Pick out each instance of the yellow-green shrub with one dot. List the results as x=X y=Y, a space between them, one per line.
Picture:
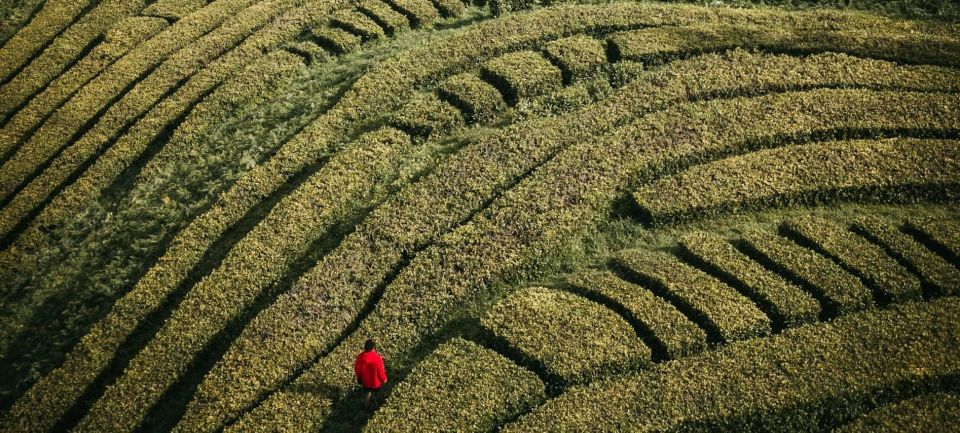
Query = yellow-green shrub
x=933 y=270
x=926 y=413
x=335 y=40
x=940 y=233
x=837 y=290
x=891 y=281
x=575 y=339
x=173 y=9
x=801 y=380
x=895 y=170
x=55 y=16
x=522 y=74
x=673 y=333
x=477 y=98
x=577 y=56
x=355 y=22
x=724 y=313
x=486 y=391
x=786 y=304
x=419 y=12
x=381 y=13
x=120 y=39
x=427 y=116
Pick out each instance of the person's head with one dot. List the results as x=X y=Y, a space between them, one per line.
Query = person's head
x=368 y=346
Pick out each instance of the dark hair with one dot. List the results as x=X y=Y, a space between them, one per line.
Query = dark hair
x=368 y=346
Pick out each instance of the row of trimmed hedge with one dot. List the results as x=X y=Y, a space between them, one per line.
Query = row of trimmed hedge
x=221 y=395
x=427 y=116
x=577 y=56
x=838 y=291
x=252 y=266
x=119 y=40
x=723 y=312
x=657 y=45
x=284 y=336
x=572 y=338
x=531 y=222
x=890 y=281
x=391 y=21
x=926 y=413
x=46 y=401
x=53 y=142
x=248 y=87
x=801 y=380
x=60 y=53
x=173 y=10
x=897 y=170
x=63 y=206
x=943 y=235
x=521 y=74
x=933 y=270
x=672 y=333
x=787 y=304
x=55 y=16
x=489 y=390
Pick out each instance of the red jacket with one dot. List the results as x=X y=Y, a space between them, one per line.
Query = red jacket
x=369 y=369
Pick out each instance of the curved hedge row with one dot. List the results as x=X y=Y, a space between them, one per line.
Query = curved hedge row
x=897 y=170
x=60 y=53
x=478 y=99
x=932 y=269
x=427 y=116
x=385 y=16
x=837 y=290
x=55 y=16
x=801 y=380
x=173 y=10
x=58 y=132
x=249 y=86
x=942 y=234
x=926 y=413
x=723 y=312
x=129 y=108
x=486 y=391
x=532 y=221
x=672 y=332
x=348 y=275
x=573 y=338
x=785 y=303
x=890 y=281
x=63 y=206
x=254 y=263
x=46 y=401
x=118 y=41
x=577 y=56
x=522 y=74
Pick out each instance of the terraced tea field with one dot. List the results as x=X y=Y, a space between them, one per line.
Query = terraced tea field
x=551 y=216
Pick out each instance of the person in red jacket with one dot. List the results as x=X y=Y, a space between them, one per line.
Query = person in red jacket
x=368 y=368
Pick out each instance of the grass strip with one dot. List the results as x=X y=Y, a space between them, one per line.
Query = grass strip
x=576 y=339
x=490 y=391
x=891 y=281
x=801 y=380
x=786 y=304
